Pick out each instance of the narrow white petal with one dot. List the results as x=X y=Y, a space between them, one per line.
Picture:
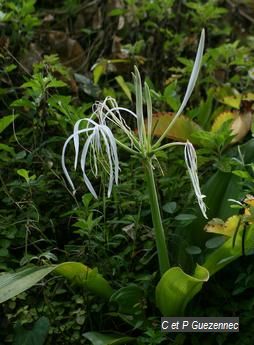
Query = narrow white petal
x=63 y=163
x=191 y=163
x=111 y=171
x=63 y=154
x=76 y=141
x=83 y=163
x=114 y=154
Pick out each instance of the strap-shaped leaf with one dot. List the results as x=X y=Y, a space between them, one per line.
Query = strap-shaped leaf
x=12 y=284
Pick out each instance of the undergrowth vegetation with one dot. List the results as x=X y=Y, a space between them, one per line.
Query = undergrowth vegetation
x=97 y=270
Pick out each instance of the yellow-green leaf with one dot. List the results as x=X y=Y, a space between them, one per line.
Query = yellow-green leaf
x=97 y=338
x=228 y=228
x=233 y=101
x=182 y=129
x=176 y=289
x=6 y=121
x=12 y=284
x=98 y=70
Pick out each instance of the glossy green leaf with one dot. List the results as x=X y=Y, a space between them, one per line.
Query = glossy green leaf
x=97 y=338
x=6 y=121
x=84 y=276
x=230 y=251
x=24 y=173
x=127 y=297
x=215 y=242
x=56 y=83
x=176 y=288
x=12 y=284
x=36 y=336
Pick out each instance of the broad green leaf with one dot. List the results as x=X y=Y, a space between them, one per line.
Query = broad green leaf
x=124 y=86
x=130 y=301
x=230 y=251
x=176 y=289
x=6 y=121
x=12 y=284
x=97 y=338
x=36 y=336
x=22 y=102
x=56 y=83
x=243 y=174
x=215 y=242
x=84 y=276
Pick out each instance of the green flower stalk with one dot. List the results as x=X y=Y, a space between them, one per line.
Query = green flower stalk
x=101 y=141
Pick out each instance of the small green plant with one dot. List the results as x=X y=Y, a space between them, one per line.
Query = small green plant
x=21 y=15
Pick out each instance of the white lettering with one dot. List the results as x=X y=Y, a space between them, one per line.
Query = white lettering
x=185 y=324
x=162 y=325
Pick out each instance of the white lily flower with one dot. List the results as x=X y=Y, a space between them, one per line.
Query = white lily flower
x=97 y=133
x=191 y=163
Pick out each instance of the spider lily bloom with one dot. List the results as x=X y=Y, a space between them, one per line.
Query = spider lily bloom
x=100 y=139
x=97 y=135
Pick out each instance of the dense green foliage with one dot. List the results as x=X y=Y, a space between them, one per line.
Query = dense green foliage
x=56 y=59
